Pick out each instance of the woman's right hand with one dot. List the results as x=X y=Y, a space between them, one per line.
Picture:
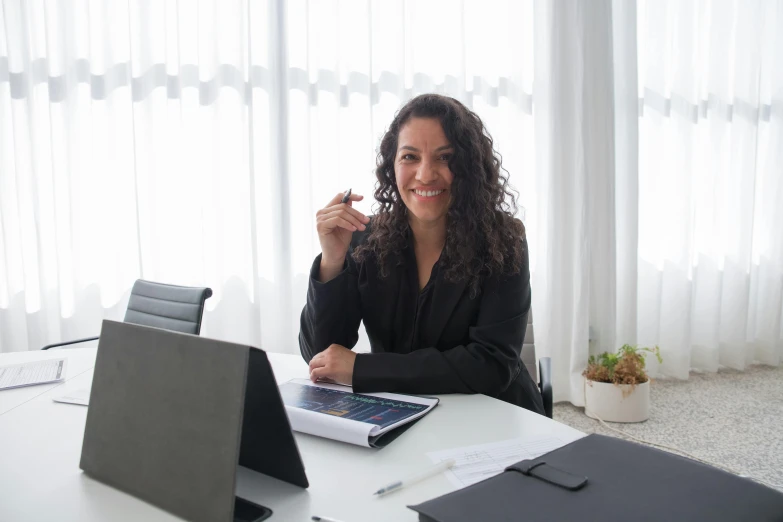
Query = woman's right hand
x=336 y=223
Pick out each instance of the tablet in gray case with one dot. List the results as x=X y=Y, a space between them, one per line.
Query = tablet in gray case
x=172 y=414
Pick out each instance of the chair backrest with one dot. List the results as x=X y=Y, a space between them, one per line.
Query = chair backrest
x=177 y=308
x=529 y=349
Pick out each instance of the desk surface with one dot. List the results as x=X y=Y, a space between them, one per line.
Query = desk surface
x=40 y=443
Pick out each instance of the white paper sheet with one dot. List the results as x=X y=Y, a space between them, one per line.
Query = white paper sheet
x=80 y=396
x=29 y=374
x=476 y=463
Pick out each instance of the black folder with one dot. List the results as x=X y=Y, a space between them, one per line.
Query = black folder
x=172 y=414
x=606 y=479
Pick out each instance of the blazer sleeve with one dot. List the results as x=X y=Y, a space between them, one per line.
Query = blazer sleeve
x=333 y=310
x=487 y=364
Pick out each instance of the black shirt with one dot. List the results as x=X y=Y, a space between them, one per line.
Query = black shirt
x=418 y=301
x=437 y=340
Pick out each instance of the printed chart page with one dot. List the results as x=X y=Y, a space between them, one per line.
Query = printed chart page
x=334 y=411
x=29 y=374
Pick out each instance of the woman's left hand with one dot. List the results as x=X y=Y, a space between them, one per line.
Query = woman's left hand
x=333 y=364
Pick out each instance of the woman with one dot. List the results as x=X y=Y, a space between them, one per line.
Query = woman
x=439 y=275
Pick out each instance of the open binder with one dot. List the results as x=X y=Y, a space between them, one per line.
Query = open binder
x=172 y=414
x=333 y=411
x=599 y=478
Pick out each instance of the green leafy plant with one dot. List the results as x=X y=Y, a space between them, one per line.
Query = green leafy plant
x=624 y=367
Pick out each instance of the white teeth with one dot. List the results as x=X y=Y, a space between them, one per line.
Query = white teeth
x=428 y=193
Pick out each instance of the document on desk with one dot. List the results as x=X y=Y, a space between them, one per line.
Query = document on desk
x=335 y=412
x=29 y=374
x=476 y=463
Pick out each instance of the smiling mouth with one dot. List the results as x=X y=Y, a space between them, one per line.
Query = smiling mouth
x=428 y=193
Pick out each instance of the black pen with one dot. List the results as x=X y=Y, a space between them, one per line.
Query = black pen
x=346 y=196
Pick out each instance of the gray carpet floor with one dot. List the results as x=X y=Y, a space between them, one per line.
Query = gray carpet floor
x=731 y=418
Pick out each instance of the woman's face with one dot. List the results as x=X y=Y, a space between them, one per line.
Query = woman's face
x=422 y=169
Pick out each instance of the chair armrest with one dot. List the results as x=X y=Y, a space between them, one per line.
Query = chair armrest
x=56 y=345
x=545 y=373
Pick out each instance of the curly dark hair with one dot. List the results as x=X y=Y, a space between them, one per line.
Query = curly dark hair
x=483 y=237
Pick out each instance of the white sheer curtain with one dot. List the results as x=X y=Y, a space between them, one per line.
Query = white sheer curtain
x=710 y=273
x=658 y=128
x=192 y=143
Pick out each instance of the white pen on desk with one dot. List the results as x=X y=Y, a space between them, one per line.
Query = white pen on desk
x=434 y=470
x=323 y=519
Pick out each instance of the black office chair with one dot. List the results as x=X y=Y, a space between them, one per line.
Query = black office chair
x=177 y=308
x=544 y=373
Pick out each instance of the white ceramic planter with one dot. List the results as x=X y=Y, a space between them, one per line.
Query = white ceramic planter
x=617 y=403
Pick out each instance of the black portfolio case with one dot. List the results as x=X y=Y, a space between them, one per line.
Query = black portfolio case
x=171 y=416
x=606 y=479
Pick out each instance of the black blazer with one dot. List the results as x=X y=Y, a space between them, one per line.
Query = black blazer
x=446 y=343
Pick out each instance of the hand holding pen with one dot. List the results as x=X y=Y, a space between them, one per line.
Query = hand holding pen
x=336 y=224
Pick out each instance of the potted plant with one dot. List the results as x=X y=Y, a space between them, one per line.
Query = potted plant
x=617 y=388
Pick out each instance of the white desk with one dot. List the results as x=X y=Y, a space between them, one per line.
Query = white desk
x=40 y=447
